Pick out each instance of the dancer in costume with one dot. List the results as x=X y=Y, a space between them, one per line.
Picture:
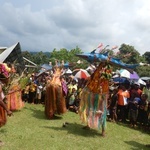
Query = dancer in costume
x=93 y=104
x=55 y=95
x=5 y=72
x=3 y=108
x=14 y=97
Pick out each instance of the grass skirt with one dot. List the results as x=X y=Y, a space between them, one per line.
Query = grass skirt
x=93 y=108
x=54 y=101
x=14 y=100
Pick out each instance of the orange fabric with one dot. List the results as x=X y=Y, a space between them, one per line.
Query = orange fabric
x=14 y=99
x=96 y=83
x=139 y=92
x=3 y=118
x=55 y=101
x=121 y=95
x=136 y=93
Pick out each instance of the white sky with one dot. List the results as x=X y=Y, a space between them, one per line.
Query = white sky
x=42 y=25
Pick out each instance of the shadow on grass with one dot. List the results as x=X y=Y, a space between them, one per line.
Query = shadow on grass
x=137 y=146
x=3 y=130
x=36 y=113
x=39 y=114
x=127 y=125
x=76 y=129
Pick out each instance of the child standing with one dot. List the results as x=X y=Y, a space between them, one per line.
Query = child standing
x=143 y=109
x=133 y=111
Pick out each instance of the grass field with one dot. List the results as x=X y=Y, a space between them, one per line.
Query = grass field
x=28 y=129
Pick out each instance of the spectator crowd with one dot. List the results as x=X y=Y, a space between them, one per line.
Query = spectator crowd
x=127 y=102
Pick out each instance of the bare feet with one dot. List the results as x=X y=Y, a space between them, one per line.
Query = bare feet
x=103 y=133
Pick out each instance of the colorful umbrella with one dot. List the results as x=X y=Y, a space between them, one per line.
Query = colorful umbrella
x=125 y=73
x=81 y=74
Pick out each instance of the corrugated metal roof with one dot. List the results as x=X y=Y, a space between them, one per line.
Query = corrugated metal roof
x=6 y=52
x=13 y=55
x=3 y=48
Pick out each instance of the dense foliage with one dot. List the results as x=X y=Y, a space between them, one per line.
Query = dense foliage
x=65 y=55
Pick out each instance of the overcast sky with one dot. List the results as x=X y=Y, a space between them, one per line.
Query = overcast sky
x=42 y=25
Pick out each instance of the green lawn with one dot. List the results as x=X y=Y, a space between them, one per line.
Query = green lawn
x=28 y=129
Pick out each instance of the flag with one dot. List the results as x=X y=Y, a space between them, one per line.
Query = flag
x=99 y=47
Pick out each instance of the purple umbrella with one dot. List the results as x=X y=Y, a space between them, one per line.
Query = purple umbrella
x=125 y=73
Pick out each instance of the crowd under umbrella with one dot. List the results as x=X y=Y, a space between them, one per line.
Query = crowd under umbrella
x=126 y=74
x=121 y=80
x=140 y=81
x=44 y=68
x=68 y=71
x=81 y=73
x=145 y=78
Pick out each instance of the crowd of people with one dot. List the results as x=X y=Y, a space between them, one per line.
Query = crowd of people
x=129 y=103
x=35 y=90
x=126 y=103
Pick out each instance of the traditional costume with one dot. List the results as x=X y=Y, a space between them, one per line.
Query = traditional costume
x=55 y=96
x=93 y=104
x=14 y=98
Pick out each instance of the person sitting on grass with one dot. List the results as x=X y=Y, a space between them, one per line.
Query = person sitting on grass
x=72 y=97
x=75 y=106
x=70 y=86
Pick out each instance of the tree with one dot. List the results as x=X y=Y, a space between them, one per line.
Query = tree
x=65 y=55
x=133 y=58
x=40 y=58
x=127 y=54
x=27 y=55
x=143 y=71
x=147 y=57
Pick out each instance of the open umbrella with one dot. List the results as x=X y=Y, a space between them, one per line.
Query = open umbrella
x=141 y=81
x=68 y=71
x=125 y=73
x=145 y=78
x=81 y=74
x=121 y=80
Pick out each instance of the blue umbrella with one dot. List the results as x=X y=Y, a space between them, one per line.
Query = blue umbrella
x=121 y=80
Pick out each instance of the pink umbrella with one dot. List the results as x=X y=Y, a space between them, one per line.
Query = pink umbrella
x=82 y=74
